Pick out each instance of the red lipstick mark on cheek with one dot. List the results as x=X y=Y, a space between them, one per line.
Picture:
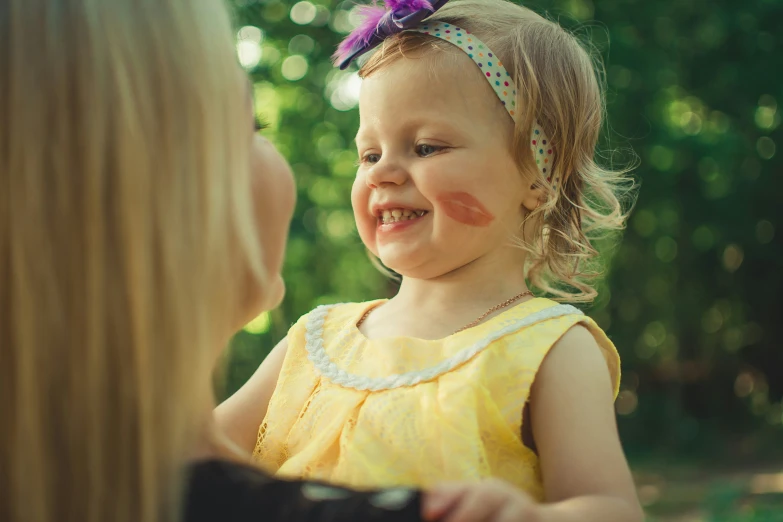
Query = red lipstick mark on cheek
x=465 y=209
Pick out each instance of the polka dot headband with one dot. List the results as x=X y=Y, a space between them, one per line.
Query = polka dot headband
x=501 y=82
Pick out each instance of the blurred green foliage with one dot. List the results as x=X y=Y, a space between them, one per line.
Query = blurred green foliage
x=693 y=296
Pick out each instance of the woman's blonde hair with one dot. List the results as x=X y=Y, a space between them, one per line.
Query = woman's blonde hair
x=559 y=82
x=126 y=232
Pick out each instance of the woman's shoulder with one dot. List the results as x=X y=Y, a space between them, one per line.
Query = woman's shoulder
x=220 y=490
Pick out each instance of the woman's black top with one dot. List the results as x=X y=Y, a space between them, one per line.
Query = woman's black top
x=228 y=492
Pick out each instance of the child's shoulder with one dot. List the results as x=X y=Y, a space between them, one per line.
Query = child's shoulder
x=541 y=326
x=537 y=315
x=548 y=316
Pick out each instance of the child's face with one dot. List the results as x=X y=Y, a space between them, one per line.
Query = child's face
x=434 y=149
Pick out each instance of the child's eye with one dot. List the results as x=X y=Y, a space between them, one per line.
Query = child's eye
x=425 y=150
x=260 y=124
x=371 y=158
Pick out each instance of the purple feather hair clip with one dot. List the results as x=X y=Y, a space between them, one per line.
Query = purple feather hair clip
x=378 y=23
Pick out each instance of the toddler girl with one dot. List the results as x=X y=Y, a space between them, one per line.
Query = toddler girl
x=476 y=182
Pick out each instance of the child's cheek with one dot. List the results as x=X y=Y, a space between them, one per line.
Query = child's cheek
x=366 y=224
x=464 y=208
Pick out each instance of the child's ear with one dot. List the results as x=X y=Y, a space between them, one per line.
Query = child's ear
x=533 y=197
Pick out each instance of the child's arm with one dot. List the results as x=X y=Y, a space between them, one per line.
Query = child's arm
x=240 y=416
x=585 y=474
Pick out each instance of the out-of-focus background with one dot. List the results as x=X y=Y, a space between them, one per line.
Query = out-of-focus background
x=693 y=295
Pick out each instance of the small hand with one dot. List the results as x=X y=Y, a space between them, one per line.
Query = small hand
x=492 y=500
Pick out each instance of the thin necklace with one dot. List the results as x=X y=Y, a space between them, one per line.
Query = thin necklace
x=483 y=316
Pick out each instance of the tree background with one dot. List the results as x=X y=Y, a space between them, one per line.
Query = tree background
x=692 y=299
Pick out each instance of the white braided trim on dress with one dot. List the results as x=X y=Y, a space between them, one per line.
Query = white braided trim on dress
x=316 y=352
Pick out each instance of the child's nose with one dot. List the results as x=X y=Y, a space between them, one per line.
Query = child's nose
x=386 y=172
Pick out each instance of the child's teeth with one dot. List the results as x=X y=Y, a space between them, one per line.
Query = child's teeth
x=400 y=214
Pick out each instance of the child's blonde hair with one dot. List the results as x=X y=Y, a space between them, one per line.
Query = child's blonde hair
x=126 y=236
x=559 y=85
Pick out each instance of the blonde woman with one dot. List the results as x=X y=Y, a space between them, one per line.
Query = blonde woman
x=131 y=189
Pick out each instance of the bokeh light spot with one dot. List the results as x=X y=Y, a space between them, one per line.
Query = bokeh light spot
x=301 y=44
x=691 y=123
x=733 y=340
x=342 y=90
x=644 y=223
x=341 y=22
x=767 y=116
x=703 y=238
x=340 y=224
x=322 y=15
x=743 y=384
x=620 y=77
x=626 y=402
x=303 y=13
x=252 y=33
x=249 y=53
x=270 y=55
x=329 y=144
x=274 y=11
x=655 y=334
x=765 y=232
x=666 y=249
x=732 y=257
x=711 y=320
x=765 y=147
x=294 y=68
x=662 y=158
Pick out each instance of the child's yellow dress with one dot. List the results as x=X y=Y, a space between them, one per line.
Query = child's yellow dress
x=411 y=412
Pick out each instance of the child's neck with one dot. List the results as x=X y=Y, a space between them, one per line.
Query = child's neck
x=435 y=308
x=442 y=295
